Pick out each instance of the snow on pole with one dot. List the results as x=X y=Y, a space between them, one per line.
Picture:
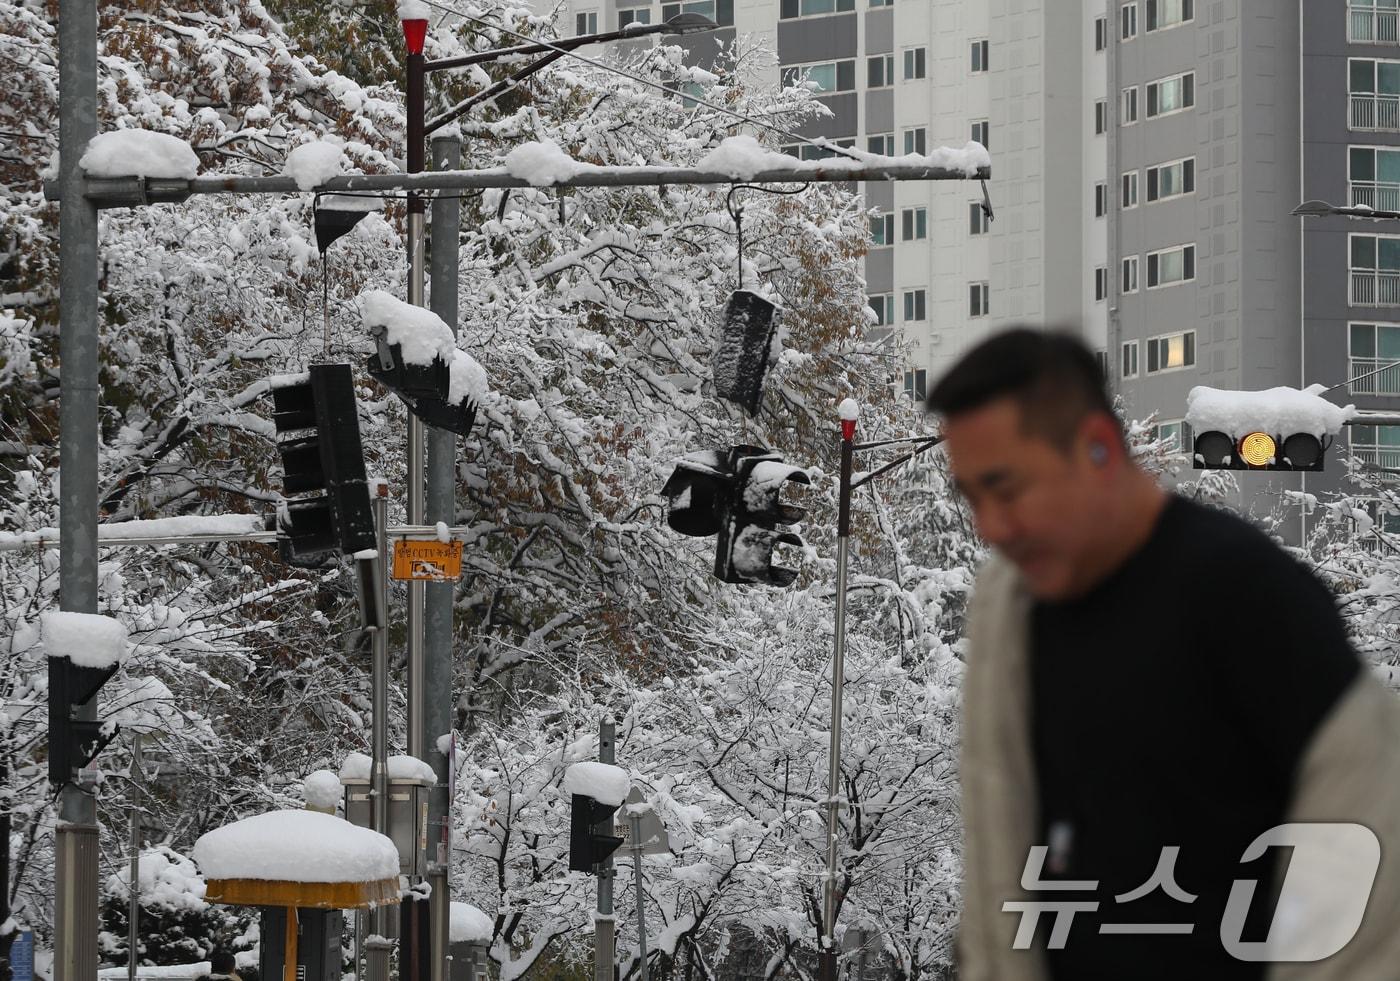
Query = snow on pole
x=467 y=924
x=139 y=153
x=849 y=411
x=89 y=640
x=605 y=783
x=322 y=791
x=314 y=163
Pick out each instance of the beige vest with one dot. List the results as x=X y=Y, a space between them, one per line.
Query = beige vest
x=1349 y=772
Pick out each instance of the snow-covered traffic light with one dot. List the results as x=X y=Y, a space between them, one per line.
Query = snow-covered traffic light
x=746 y=341
x=596 y=791
x=84 y=651
x=1277 y=429
x=735 y=494
x=323 y=464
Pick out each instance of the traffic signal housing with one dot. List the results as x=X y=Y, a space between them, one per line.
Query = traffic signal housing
x=735 y=494
x=323 y=463
x=746 y=341
x=1259 y=450
x=426 y=389
x=84 y=652
x=591 y=841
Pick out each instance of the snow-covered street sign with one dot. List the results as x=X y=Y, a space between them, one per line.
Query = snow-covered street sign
x=651 y=832
x=428 y=561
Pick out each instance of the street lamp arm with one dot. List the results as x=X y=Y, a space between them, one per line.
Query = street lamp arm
x=928 y=444
x=488 y=93
x=569 y=43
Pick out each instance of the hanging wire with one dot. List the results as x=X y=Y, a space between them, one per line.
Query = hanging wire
x=820 y=142
x=736 y=211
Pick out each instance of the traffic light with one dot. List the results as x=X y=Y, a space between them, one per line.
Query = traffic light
x=1215 y=450
x=318 y=438
x=735 y=494
x=98 y=643
x=590 y=840
x=441 y=394
x=746 y=340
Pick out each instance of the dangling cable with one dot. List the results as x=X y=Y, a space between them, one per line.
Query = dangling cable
x=737 y=213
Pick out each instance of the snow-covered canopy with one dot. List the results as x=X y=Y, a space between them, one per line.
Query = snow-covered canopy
x=296 y=846
x=89 y=640
x=139 y=153
x=604 y=782
x=467 y=924
x=1278 y=411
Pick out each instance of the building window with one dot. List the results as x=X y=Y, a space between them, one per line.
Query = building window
x=1168 y=95
x=638 y=15
x=1100 y=117
x=881 y=143
x=976 y=219
x=1374 y=359
x=1375 y=270
x=586 y=23
x=1127 y=21
x=719 y=11
x=1129 y=273
x=1128 y=105
x=1102 y=358
x=979 y=55
x=1373 y=94
x=1377 y=445
x=1100 y=199
x=914 y=223
x=1170 y=180
x=882 y=229
x=810 y=151
x=981 y=133
x=1171 y=351
x=978 y=299
x=882 y=3
x=915 y=63
x=1128 y=196
x=916 y=384
x=812 y=8
x=1130 y=359
x=914 y=304
x=1100 y=33
x=879 y=71
x=1374 y=178
x=1175 y=437
x=883 y=305
x=1170 y=266
x=823 y=77
x=1100 y=283
x=1372 y=21
x=1162 y=14
x=916 y=140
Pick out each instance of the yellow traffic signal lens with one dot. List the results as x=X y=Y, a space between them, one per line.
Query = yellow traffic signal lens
x=1258 y=449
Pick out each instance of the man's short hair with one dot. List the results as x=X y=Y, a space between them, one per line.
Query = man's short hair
x=221 y=962
x=1052 y=376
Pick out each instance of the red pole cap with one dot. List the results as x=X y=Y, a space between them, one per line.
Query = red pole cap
x=849 y=410
x=848 y=429
x=415 y=32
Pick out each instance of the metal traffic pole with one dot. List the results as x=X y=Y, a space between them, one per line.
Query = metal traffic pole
x=636 y=849
x=378 y=948
x=838 y=680
x=133 y=904
x=604 y=927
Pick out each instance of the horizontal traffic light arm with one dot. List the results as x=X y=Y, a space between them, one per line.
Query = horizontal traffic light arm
x=925 y=443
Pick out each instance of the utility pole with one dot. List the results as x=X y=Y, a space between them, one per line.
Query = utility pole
x=635 y=846
x=604 y=928
x=376 y=952
x=441 y=506
x=75 y=858
x=133 y=893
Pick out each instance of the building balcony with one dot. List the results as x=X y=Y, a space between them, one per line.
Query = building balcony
x=1374 y=112
x=1373 y=376
x=1373 y=288
x=1367 y=25
x=1381 y=195
x=1383 y=457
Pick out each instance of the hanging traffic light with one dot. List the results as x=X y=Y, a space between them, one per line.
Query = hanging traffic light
x=746 y=341
x=590 y=843
x=735 y=494
x=323 y=464
x=1259 y=450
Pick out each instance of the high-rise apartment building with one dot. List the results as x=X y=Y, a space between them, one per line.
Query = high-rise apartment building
x=1146 y=156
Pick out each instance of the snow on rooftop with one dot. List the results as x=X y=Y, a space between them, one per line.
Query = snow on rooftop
x=139 y=153
x=296 y=846
x=89 y=640
x=848 y=410
x=314 y=163
x=358 y=766
x=420 y=333
x=741 y=157
x=603 y=782
x=322 y=790
x=1277 y=411
x=467 y=924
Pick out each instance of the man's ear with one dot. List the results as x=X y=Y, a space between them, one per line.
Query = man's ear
x=1101 y=440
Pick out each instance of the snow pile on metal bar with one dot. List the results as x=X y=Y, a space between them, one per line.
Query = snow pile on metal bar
x=89 y=640
x=296 y=846
x=743 y=157
x=1276 y=411
x=230 y=525
x=139 y=153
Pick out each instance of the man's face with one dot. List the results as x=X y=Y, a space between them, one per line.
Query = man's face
x=1032 y=501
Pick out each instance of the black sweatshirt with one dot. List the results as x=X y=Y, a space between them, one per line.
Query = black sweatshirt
x=1170 y=707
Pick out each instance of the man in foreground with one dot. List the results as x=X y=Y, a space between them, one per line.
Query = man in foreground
x=1151 y=687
